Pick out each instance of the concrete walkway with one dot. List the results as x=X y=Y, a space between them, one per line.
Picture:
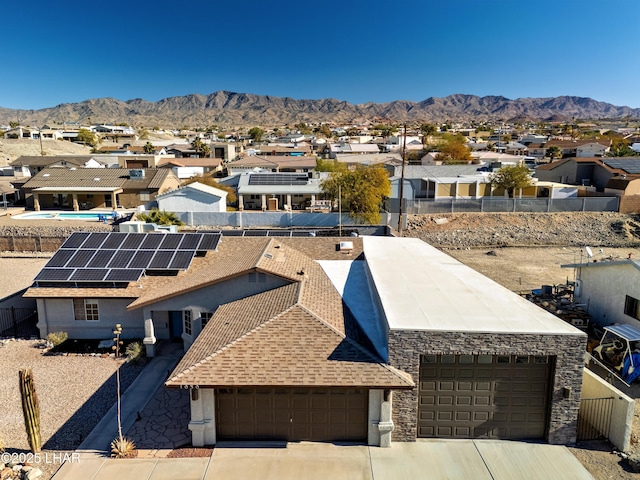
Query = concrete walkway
x=432 y=459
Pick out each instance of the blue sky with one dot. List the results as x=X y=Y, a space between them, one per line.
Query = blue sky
x=373 y=51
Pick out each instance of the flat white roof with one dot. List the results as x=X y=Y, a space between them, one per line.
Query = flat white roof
x=421 y=288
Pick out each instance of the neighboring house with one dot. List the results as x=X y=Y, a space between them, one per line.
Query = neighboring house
x=29 y=165
x=272 y=163
x=319 y=339
x=195 y=197
x=130 y=150
x=280 y=150
x=569 y=148
x=512 y=148
x=390 y=160
x=590 y=150
x=608 y=290
x=594 y=172
x=86 y=188
x=628 y=189
x=275 y=191
x=224 y=152
x=191 y=167
x=333 y=149
x=417 y=176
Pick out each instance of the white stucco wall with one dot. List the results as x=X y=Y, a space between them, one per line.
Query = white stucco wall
x=188 y=199
x=603 y=287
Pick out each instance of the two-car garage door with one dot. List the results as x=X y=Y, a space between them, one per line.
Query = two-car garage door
x=484 y=396
x=292 y=414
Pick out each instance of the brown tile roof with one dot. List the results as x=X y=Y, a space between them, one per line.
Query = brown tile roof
x=132 y=291
x=292 y=348
x=43 y=161
x=618 y=183
x=577 y=143
x=191 y=162
x=97 y=178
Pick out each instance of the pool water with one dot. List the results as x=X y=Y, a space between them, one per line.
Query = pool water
x=87 y=216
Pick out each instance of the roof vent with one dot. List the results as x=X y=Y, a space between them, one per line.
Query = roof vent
x=96 y=179
x=346 y=246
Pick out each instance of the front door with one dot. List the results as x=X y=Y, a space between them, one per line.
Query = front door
x=175 y=325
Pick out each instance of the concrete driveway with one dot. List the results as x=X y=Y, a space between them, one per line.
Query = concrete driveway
x=432 y=459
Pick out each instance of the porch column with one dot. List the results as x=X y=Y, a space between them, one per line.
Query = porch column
x=263 y=200
x=36 y=202
x=380 y=420
x=203 y=419
x=240 y=202
x=313 y=199
x=114 y=200
x=289 y=201
x=76 y=207
x=149 y=338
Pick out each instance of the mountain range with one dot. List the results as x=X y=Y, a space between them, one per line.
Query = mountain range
x=245 y=109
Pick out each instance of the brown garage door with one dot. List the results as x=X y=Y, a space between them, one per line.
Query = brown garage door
x=484 y=396
x=292 y=414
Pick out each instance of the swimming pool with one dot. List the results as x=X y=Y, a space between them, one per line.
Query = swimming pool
x=86 y=216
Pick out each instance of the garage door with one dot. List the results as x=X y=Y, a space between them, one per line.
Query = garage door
x=484 y=396
x=292 y=414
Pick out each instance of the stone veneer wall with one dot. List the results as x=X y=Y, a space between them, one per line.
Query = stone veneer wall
x=405 y=348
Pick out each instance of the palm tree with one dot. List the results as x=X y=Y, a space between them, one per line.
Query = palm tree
x=200 y=147
x=149 y=148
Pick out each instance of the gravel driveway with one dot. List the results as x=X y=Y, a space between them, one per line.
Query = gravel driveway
x=74 y=393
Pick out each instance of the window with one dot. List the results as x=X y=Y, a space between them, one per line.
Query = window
x=186 y=317
x=145 y=196
x=631 y=307
x=86 y=309
x=205 y=317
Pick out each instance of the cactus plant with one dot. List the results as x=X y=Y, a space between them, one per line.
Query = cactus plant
x=30 y=409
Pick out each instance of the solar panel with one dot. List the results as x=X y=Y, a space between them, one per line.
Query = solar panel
x=141 y=259
x=279 y=233
x=171 y=241
x=152 y=242
x=181 y=260
x=629 y=165
x=114 y=240
x=95 y=240
x=60 y=258
x=278 y=179
x=121 y=259
x=75 y=240
x=133 y=240
x=101 y=259
x=88 y=275
x=162 y=259
x=81 y=258
x=56 y=274
x=209 y=241
x=124 y=275
x=255 y=233
x=190 y=241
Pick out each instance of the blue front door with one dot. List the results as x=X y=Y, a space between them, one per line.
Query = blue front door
x=175 y=325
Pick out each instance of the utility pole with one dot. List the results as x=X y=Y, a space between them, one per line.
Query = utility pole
x=404 y=152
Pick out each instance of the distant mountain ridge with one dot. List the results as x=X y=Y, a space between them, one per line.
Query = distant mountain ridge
x=230 y=108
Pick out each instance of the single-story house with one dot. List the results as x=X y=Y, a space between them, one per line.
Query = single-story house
x=29 y=165
x=628 y=189
x=272 y=163
x=195 y=197
x=86 y=188
x=275 y=191
x=372 y=340
x=596 y=171
x=608 y=289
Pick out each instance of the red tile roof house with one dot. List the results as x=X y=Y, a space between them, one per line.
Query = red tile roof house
x=317 y=339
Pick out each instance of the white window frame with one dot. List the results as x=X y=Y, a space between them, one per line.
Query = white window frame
x=90 y=309
x=187 y=322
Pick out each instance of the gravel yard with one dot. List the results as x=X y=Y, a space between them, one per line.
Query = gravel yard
x=74 y=393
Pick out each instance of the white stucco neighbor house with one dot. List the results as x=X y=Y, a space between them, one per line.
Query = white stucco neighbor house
x=195 y=197
x=610 y=290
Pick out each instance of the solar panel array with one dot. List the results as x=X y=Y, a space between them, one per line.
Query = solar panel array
x=123 y=257
x=631 y=165
x=278 y=179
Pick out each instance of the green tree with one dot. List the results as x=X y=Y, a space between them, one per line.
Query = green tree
x=511 y=178
x=87 y=137
x=231 y=194
x=256 y=134
x=324 y=130
x=200 y=147
x=303 y=128
x=360 y=192
x=553 y=152
x=14 y=124
x=149 y=148
x=330 y=166
x=160 y=217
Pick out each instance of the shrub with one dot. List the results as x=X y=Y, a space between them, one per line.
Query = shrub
x=135 y=352
x=56 y=338
x=123 y=448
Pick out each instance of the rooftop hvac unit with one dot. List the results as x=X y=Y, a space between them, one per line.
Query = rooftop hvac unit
x=136 y=173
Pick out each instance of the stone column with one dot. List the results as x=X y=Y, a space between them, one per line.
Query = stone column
x=114 y=200
x=380 y=422
x=36 y=202
x=203 y=419
x=149 y=338
x=76 y=207
x=240 y=202
x=263 y=200
x=289 y=201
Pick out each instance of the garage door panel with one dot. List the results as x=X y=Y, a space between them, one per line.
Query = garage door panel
x=484 y=396
x=292 y=414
